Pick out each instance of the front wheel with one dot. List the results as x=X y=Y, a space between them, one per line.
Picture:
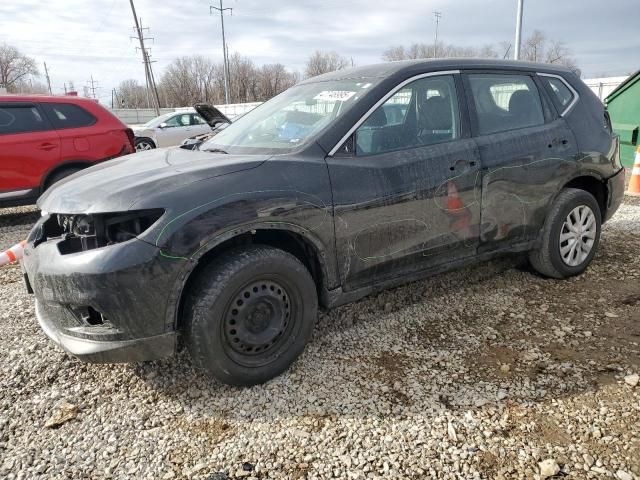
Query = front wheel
x=570 y=235
x=143 y=144
x=249 y=314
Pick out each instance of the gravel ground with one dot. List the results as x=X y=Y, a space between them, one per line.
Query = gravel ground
x=488 y=372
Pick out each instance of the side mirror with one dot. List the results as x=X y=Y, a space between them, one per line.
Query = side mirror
x=163 y=125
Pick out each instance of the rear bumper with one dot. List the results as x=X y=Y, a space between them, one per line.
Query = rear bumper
x=615 y=187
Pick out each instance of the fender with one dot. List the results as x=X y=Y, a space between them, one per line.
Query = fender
x=327 y=265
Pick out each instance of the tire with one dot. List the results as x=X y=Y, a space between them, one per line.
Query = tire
x=249 y=314
x=556 y=257
x=144 y=143
x=56 y=177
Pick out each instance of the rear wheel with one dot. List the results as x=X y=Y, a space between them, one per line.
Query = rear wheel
x=250 y=314
x=144 y=144
x=570 y=235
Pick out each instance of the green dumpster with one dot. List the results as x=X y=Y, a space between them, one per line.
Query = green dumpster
x=623 y=105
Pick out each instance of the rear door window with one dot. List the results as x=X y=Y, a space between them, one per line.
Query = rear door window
x=21 y=119
x=505 y=102
x=67 y=115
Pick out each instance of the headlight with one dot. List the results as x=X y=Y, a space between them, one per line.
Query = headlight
x=86 y=232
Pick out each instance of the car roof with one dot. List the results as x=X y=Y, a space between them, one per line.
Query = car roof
x=46 y=98
x=386 y=69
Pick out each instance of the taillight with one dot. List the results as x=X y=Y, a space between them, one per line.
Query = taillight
x=131 y=137
x=607 y=122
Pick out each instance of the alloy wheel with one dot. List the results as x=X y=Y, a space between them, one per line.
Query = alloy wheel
x=577 y=235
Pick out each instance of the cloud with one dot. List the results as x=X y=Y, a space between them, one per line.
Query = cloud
x=78 y=38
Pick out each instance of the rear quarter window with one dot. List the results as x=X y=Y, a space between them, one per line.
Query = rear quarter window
x=67 y=115
x=561 y=94
x=21 y=119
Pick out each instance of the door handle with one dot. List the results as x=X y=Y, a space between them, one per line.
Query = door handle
x=558 y=141
x=47 y=146
x=470 y=163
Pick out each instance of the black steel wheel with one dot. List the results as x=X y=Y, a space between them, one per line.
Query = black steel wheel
x=250 y=314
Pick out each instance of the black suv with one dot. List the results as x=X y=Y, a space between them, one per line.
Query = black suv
x=345 y=184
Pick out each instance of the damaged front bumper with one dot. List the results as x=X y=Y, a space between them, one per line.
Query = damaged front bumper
x=103 y=305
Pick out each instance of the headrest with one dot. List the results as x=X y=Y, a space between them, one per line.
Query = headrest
x=435 y=114
x=522 y=103
x=377 y=119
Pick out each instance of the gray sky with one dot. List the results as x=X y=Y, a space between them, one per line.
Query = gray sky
x=78 y=38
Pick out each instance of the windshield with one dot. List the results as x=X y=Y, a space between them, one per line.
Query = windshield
x=154 y=122
x=291 y=119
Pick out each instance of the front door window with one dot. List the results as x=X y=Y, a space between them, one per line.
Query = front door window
x=423 y=113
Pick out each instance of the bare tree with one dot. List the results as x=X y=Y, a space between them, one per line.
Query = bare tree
x=536 y=48
x=272 y=80
x=189 y=80
x=29 y=86
x=243 y=78
x=15 y=67
x=323 y=62
x=424 y=50
x=557 y=52
x=130 y=94
x=533 y=47
x=393 y=54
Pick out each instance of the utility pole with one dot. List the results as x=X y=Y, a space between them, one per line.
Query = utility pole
x=93 y=87
x=224 y=49
x=516 y=50
x=151 y=83
x=437 y=16
x=46 y=73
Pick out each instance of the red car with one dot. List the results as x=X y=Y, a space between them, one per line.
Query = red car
x=44 y=139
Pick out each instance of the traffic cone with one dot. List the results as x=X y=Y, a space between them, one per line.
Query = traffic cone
x=13 y=254
x=634 y=183
x=453 y=198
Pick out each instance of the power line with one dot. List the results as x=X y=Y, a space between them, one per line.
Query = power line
x=151 y=82
x=225 y=55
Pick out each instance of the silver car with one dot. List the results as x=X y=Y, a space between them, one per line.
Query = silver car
x=169 y=129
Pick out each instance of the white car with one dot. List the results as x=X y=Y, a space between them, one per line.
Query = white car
x=169 y=129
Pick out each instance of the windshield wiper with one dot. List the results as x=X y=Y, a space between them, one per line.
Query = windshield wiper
x=215 y=150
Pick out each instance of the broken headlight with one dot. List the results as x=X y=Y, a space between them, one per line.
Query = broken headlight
x=86 y=232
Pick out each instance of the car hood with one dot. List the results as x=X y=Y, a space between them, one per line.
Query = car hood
x=116 y=185
x=211 y=114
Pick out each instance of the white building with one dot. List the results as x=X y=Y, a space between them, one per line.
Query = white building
x=602 y=87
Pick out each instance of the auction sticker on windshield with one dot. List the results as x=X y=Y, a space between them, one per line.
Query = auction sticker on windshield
x=334 y=95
